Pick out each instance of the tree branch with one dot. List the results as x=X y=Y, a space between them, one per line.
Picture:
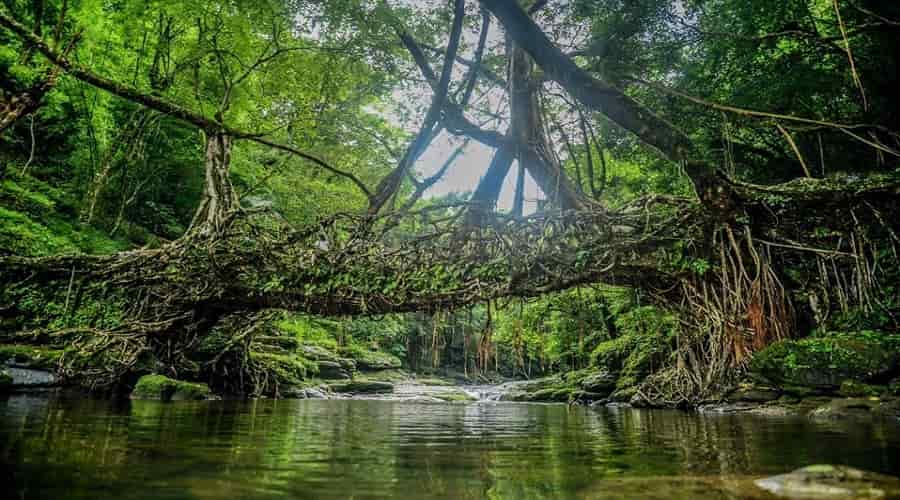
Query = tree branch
x=597 y=95
x=454 y=119
x=389 y=185
x=157 y=103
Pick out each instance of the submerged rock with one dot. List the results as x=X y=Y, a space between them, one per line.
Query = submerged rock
x=728 y=408
x=831 y=481
x=166 y=389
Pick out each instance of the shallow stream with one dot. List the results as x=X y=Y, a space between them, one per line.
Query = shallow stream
x=59 y=447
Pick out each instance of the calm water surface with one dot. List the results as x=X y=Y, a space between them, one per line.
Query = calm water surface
x=81 y=448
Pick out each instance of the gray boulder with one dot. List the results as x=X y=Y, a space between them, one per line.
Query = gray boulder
x=30 y=378
x=332 y=370
x=602 y=382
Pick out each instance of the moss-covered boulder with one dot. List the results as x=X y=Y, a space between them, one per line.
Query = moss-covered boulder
x=166 y=389
x=320 y=353
x=599 y=382
x=856 y=409
x=455 y=395
x=826 y=361
x=362 y=386
x=555 y=389
x=750 y=393
x=283 y=369
x=854 y=389
x=331 y=370
x=371 y=360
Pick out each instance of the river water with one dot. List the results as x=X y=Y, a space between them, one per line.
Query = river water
x=56 y=447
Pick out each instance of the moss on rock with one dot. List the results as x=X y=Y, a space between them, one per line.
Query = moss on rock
x=369 y=360
x=362 y=386
x=454 y=396
x=166 y=389
x=287 y=369
x=854 y=389
x=826 y=361
x=435 y=382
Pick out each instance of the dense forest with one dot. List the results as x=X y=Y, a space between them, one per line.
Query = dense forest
x=669 y=199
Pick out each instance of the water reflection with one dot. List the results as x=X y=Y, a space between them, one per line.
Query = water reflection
x=77 y=448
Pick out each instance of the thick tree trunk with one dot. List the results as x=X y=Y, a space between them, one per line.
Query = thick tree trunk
x=518 y=209
x=527 y=142
x=611 y=102
x=391 y=183
x=488 y=189
x=219 y=198
x=597 y=95
x=529 y=135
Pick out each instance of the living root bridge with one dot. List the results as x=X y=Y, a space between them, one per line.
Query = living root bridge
x=724 y=275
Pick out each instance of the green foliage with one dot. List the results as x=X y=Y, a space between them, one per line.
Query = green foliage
x=105 y=175
x=39 y=221
x=560 y=329
x=86 y=305
x=647 y=339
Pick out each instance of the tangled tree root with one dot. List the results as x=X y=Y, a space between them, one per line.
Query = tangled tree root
x=160 y=310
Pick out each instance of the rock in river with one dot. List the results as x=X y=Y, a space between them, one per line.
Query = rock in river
x=361 y=386
x=166 y=389
x=29 y=378
x=831 y=481
x=602 y=382
x=303 y=393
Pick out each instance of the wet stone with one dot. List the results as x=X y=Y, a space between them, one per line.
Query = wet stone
x=831 y=481
x=25 y=378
